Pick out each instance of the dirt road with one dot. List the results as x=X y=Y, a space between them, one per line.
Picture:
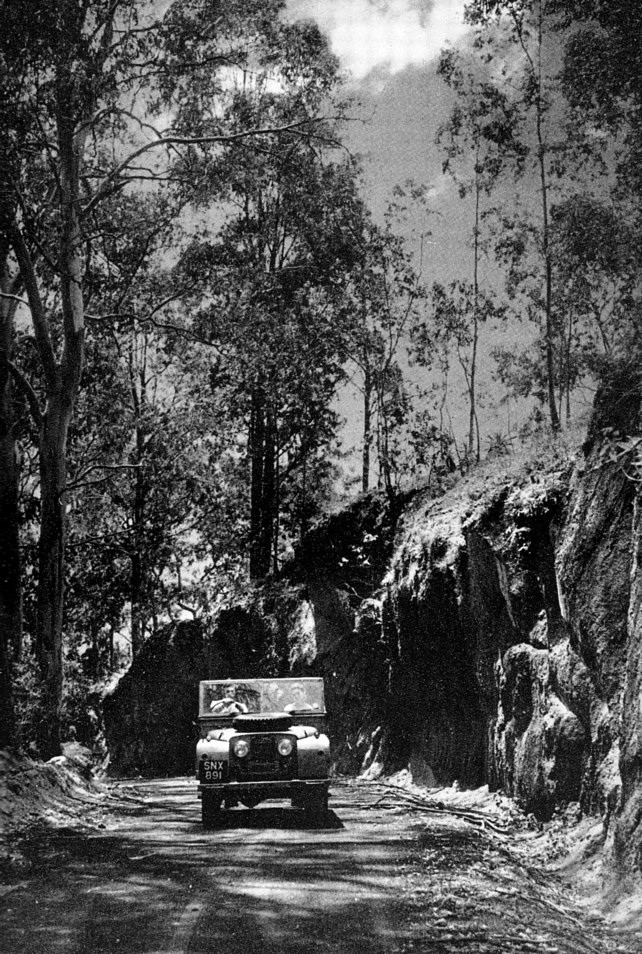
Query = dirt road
x=371 y=878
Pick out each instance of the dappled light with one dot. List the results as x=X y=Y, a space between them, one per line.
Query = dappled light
x=376 y=875
x=320 y=477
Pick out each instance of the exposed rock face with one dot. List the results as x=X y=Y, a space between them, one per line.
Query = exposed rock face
x=493 y=635
x=306 y=625
x=151 y=716
x=628 y=831
x=508 y=636
x=475 y=626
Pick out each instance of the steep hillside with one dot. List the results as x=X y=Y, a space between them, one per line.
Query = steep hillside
x=491 y=635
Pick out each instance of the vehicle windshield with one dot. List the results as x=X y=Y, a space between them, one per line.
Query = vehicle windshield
x=232 y=696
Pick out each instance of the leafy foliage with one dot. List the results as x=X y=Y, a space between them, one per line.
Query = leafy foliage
x=201 y=276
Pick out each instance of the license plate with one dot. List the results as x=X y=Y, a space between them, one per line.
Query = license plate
x=213 y=770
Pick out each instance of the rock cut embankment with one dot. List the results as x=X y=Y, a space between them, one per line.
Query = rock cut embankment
x=492 y=635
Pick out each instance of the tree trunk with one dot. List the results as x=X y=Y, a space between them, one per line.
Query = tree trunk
x=367 y=430
x=63 y=383
x=10 y=581
x=256 y=449
x=262 y=449
x=473 y=423
x=268 y=497
x=10 y=588
x=550 y=348
x=136 y=573
x=535 y=68
x=383 y=446
x=51 y=555
x=548 y=265
x=276 y=506
x=135 y=583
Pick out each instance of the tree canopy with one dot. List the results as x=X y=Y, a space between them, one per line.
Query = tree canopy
x=192 y=280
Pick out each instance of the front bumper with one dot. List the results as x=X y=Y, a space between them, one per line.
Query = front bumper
x=275 y=788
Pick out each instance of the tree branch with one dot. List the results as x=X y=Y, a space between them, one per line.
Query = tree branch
x=106 y=189
x=41 y=331
x=101 y=480
x=28 y=391
x=16 y=298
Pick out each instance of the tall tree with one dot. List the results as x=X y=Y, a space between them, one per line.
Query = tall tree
x=530 y=32
x=10 y=565
x=602 y=79
x=583 y=59
x=451 y=328
x=598 y=268
x=269 y=281
x=479 y=141
x=381 y=302
x=82 y=65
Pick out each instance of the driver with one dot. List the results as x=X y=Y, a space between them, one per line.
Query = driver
x=229 y=704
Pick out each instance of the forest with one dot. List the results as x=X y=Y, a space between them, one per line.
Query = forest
x=191 y=276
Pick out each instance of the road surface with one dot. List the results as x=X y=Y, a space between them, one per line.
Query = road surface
x=372 y=877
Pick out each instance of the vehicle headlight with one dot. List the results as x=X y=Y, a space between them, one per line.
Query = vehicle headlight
x=241 y=748
x=285 y=747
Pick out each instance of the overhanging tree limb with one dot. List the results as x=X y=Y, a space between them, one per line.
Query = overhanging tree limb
x=82 y=482
x=104 y=190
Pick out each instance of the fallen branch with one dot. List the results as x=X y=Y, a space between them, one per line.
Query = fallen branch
x=473 y=816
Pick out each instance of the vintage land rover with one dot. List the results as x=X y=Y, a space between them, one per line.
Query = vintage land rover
x=261 y=739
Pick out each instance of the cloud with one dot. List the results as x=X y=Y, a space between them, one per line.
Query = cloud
x=392 y=34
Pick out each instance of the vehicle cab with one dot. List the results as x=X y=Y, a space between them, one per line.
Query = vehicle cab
x=262 y=739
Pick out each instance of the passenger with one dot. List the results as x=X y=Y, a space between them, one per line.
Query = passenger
x=299 y=701
x=273 y=698
x=229 y=704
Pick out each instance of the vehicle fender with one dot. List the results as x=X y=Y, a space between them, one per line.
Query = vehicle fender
x=212 y=749
x=313 y=755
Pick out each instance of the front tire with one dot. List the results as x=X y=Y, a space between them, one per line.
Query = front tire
x=210 y=810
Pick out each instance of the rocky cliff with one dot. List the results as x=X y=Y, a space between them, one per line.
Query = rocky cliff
x=491 y=635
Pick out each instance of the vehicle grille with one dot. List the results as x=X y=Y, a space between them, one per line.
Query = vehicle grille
x=263 y=749
x=263 y=761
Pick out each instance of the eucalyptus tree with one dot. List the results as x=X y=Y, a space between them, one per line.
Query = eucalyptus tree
x=94 y=77
x=480 y=141
x=602 y=80
x=578 y=66
x=267 y=284
x=383 y=299
x=138 y=479
x=14 y=122
x=269 y=310
x=10 y=589
x=450 y=326
x=527 y=45
x=602 y=75
x=598 y=269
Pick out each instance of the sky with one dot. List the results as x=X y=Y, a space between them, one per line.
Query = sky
x=390 y=35
x=390 y=49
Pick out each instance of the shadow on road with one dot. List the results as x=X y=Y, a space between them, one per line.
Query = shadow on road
x=272 y=880
x=285 y=819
